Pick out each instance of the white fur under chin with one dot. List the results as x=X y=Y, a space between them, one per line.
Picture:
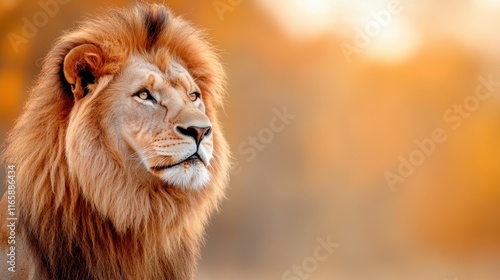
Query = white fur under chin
x=195 y=177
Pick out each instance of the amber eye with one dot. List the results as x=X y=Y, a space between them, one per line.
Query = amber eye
x=194 y=96
x=144 y=94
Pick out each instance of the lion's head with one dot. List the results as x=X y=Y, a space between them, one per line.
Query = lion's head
x=120 y=137
x=144 y=107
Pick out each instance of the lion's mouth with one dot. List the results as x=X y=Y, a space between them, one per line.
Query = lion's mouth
x=192 y=158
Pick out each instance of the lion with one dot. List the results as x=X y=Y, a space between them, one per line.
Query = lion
x=119 y=155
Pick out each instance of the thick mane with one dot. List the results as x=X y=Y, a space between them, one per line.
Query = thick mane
x=119 y=228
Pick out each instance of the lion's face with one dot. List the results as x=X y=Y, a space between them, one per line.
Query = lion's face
x=162 y=120
x=156 y=118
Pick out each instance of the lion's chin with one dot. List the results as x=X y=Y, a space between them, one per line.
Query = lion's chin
x=191 y=175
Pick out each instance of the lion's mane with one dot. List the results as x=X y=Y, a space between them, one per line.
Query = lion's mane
x=127 y=227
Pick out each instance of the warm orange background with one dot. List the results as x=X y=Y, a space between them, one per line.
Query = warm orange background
x=324 y=174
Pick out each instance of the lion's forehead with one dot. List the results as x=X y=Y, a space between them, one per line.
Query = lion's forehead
x=142 y=71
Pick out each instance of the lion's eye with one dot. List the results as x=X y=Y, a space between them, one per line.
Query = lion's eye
x=145 y=95
x=194 y=96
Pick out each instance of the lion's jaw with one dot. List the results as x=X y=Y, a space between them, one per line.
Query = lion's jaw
x=157 y=132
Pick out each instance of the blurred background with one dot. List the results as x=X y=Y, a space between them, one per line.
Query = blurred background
x=330 y=102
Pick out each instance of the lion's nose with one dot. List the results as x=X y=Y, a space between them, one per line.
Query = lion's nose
x=198 y=133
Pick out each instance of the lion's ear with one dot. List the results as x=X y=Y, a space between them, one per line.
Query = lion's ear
x=81 y=66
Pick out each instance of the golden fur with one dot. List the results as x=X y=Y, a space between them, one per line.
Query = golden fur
x=110 y=219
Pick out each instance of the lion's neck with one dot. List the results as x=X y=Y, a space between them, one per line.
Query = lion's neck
x=95 y=248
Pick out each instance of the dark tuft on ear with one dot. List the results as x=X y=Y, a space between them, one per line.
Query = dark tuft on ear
x=87 y=78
